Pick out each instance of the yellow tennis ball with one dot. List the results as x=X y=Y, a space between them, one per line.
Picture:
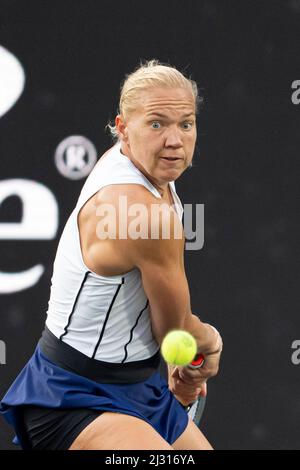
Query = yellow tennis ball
x=178 y=348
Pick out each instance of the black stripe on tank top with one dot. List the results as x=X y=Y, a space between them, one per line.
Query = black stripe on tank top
x=132 y=330
x=106 y=319
x=74 y=305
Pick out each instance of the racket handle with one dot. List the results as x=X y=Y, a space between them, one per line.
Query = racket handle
x=197 y=362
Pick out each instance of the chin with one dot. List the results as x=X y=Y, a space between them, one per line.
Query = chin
x=171 y=176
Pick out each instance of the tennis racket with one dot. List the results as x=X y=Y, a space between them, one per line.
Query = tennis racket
x=195 y=410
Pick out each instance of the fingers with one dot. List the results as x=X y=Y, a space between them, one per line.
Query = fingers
x=189 y=391
x=190 y=376
x=184 y=392
x=188 y=384
x=186 y=397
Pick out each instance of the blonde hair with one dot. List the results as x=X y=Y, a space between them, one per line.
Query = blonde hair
x=152 y=73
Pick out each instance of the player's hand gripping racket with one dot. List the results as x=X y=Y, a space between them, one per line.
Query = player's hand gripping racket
x=179 y=348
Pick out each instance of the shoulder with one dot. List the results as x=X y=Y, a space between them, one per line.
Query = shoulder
x=133 y=192
x=131 y=199
x=149 y=225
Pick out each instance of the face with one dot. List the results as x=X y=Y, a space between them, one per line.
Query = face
x=160 y=135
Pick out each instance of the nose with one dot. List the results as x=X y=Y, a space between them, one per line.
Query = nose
x=173 y=138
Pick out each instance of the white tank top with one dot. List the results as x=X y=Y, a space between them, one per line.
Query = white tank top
x=105 y=318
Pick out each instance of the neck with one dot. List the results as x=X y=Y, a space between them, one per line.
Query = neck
x=161 y=187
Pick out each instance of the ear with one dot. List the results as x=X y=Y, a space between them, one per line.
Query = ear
x=121 y=127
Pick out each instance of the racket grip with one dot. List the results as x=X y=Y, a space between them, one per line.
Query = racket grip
x=197 y=362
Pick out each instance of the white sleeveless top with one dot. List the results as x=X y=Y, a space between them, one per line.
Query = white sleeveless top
x=105 y=318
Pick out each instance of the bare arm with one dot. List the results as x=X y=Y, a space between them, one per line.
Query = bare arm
x=161 y=262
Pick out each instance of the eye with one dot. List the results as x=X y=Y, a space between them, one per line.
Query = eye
x=155 y=125
x=187 y=125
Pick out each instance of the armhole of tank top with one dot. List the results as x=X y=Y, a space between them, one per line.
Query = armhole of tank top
x=116 y=279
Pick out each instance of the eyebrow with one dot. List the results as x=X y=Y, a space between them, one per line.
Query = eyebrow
x=166 y=117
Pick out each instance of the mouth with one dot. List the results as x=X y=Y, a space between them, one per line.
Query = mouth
x=171 y=159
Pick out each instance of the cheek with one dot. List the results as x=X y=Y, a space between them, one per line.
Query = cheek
x=191 y=142
x=148 y=144
x=135 y=140
x=190 y=149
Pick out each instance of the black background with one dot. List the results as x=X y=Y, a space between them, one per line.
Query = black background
x=244 y=56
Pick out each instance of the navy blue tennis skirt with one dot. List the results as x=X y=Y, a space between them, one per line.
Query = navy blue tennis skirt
x=44 y=384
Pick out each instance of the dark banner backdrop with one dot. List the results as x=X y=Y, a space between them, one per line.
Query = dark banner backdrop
x=64 y=61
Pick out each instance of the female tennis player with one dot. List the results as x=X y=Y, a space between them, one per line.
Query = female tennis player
x=118 y=287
